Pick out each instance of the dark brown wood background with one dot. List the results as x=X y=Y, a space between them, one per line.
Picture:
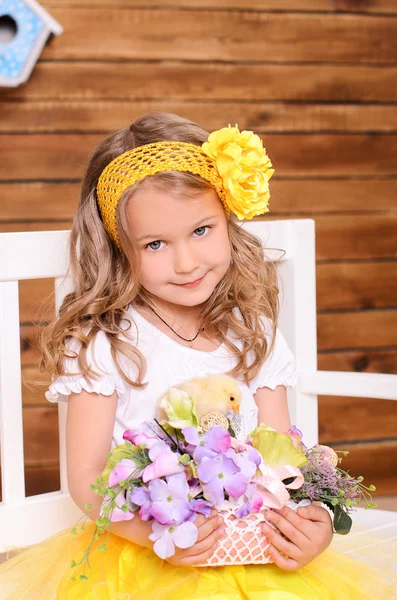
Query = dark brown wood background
x=316 y=78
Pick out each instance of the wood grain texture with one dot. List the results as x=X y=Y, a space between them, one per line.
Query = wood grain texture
x=355 y=236
x=39 y=201
x=361 y=329
x=202 y=35
x=30 y=354
x=373 y=419
x=366 y=361
x=376 y=6
x=34 y=386
x=105 y=116
x=41 y=440
x=41 y=479
x=356 y=285
x=180 y=81
x=51 y=157
x=36 y=300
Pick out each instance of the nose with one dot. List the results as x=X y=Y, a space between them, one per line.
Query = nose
x=185 y=259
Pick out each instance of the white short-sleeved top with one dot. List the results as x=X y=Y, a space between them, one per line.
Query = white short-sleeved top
x=168 y=363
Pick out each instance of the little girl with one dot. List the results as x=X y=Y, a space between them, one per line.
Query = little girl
x=169 y=287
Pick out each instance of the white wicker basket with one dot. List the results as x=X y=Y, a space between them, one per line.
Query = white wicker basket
x=244 y=541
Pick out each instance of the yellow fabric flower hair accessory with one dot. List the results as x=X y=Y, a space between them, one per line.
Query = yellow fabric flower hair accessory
x=233 y=162
x=245 y=170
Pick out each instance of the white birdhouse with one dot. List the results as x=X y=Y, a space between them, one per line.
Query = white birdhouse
x=24 y=29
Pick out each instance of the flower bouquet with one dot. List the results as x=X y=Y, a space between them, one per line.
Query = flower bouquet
x=170 y=471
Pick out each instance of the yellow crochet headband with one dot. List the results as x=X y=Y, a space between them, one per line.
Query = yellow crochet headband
x=233 y=162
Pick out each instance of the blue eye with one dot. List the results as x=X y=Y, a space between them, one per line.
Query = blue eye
x=154 y=245
x=200 y=231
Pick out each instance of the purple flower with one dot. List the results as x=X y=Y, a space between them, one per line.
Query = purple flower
x=296 y=435
x=253 y=502
x=141 y=497
x=170 y=499
x=219 y=474
x=209 y=444
x=166 y=537
x=243 y=461
x=201 y=506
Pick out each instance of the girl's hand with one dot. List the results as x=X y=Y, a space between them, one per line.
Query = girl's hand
x=308 y=533
x=210 y=530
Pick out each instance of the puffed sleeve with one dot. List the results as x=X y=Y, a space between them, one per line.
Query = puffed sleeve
x=279 y=367
x=100 y=359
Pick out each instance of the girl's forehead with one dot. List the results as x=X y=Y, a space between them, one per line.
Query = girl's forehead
x=152 y=212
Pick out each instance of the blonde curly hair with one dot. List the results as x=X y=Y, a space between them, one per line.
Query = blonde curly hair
x=106 y=280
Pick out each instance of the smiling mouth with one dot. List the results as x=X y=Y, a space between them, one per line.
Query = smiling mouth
x=191 y=283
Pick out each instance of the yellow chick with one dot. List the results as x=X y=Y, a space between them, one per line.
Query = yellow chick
x=213 y=393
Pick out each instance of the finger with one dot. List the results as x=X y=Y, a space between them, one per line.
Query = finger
x=314 y=513
x=201 y=551
x=291 y=525
x=206 y=528
x=286 y=563
x=279 y=542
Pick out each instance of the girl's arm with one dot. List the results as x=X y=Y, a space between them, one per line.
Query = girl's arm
x=273 y=408
x=89 y=433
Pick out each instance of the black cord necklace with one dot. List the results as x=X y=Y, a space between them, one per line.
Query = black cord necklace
x=173 y=330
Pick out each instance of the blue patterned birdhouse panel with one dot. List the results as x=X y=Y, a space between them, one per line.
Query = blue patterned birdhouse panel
x=24 y=29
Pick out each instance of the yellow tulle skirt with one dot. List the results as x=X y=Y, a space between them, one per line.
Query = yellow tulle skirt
x=129 y=572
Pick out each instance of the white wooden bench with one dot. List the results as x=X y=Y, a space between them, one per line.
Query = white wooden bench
x=25 y=521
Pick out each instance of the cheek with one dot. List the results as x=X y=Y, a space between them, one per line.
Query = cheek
x=152 y=270
x=219 y=250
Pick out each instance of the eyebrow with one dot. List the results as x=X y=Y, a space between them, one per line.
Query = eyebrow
x=158 y=236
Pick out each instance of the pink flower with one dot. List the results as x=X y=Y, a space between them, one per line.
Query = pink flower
x=138 y=439
x=296 y=436
x=122 y=471
x=165 y=462
x=117 y=513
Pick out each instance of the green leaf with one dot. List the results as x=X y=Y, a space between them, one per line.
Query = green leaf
x=342 y=521
x=83 y=577
x=74 y=531
x=88 y=506
x=73 y=564
x=102 y=548
x=185 y=459
x=180 y=408
x=277 y=449
x=125 y=508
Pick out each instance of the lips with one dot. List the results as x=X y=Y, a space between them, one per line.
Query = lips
x=191 y=283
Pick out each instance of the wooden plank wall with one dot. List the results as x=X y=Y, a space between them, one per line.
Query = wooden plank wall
x=316 y=78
